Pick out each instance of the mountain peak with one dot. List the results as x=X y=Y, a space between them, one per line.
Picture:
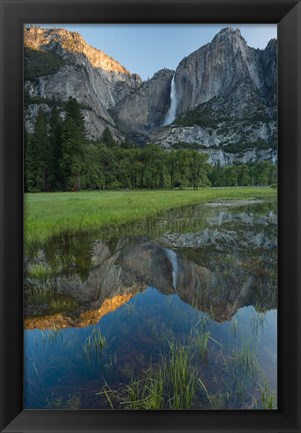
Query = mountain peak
x=221 y=84
x=272 y=44
x=58 y=40
x=228 y=34
x=230 y=30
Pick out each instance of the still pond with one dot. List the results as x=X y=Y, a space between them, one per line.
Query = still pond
x=178 y=312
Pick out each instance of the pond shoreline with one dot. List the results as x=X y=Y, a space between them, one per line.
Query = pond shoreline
x=57 y=214
x=76 y=301
x=112 y=318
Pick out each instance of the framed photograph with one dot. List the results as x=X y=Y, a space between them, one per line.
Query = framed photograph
x=150 y=238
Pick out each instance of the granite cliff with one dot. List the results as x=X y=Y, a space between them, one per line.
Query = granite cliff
x=226 y=94
x=59 y=64
x=227 y=101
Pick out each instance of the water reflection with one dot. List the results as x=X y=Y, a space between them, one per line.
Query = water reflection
x=208 y=277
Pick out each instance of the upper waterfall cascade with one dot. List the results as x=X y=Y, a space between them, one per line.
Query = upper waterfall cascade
x=171 y=114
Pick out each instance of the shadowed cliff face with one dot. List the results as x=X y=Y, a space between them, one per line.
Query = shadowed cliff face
x=145 y=109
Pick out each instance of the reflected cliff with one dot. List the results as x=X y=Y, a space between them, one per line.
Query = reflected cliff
x=219 y=269
x=102 y=310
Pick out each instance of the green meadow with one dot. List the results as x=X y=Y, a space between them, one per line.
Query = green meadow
x=54 y=214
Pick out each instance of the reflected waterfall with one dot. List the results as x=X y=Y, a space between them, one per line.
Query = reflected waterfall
x=174 y=263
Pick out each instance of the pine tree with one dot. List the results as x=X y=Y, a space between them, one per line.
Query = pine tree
x=172 y=166
x=72 y=154
x=73 y=142
x=198 y=169
x=25 y=150
x=74 y=112
x=55 y=150
x=216 y=175
x=36 y=157
x=107 y=138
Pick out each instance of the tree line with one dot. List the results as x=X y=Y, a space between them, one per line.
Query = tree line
x=59 y=157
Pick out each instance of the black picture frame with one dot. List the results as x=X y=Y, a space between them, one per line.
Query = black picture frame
x=287 y=14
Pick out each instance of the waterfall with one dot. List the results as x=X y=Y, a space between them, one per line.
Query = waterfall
x=171 y=114
x=174 y=264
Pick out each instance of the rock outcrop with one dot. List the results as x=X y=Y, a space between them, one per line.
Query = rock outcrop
x=227 y=105
x=145 y=109
x=72 y=68
x=227 y=68
x=226 y=94
x=226 y=102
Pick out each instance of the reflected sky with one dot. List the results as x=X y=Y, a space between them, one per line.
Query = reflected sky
x=206 y=270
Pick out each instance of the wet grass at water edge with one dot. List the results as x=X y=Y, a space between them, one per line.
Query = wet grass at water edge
x=169 y=385
x=52 y=214
x=94 y=344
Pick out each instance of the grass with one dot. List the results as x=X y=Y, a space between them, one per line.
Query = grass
x=268 y=398
x=244 y=359
x=94 y=344
x=54 y=214
x=39 y=63
x=179 y=381
x=63 y=261
x=179 y=377
x=38 y=295
x=258 y=322
x=205 y=390
x=147 y=393
x=171 y=384
x=63 y=303
x=38 y=271
x=243 y=371
x=205 y=320
x=202 y=345
x=44 y=298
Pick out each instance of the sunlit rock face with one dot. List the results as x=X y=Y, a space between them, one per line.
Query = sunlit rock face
x=96 y=80
x=105 y=80
x=86 y=318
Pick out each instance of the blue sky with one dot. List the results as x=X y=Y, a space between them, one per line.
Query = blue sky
x=146 y=48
